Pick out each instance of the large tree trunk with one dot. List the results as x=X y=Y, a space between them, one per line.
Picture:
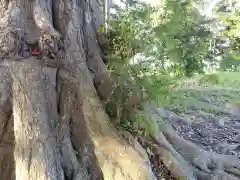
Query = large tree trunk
x=53 y=122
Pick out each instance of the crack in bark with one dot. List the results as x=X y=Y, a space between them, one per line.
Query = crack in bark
x=42 y=13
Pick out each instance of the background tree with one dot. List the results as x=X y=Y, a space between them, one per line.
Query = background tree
x=225 y=42
x=231 y=22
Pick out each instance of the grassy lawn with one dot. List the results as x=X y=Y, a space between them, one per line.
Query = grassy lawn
x=230 y=79
x=208 y=93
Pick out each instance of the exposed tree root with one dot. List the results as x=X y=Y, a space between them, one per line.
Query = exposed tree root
x=36 y=153
x=201 y=164
x=106 y=140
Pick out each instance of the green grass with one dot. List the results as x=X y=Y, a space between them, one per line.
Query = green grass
x=229 y=79
x=221 y=79
x=235 y=103
x=208 y=93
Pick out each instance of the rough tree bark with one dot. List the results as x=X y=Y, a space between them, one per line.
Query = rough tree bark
x=53 y=124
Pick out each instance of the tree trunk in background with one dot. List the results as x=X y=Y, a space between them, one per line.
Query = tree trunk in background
x=53 y=124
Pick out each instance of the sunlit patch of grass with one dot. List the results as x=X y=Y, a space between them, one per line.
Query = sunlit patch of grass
x=235 y=103
x=229 y=79
x=210 y=95
x=210 y=79
x=207 y=93
x=223 y=79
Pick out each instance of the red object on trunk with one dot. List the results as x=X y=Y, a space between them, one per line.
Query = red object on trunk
x=35 y=52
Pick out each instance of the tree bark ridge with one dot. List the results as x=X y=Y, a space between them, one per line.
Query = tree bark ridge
x=36 y=154
x=42 y=13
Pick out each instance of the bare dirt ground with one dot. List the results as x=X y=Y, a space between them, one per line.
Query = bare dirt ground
x=211 y=122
